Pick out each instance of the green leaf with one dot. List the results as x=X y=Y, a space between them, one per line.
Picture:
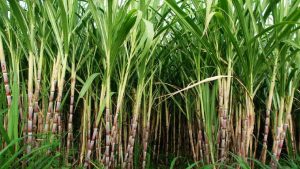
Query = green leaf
x=50 y=11
x=64 y=25
x=21 y=21
x=174 y=162
x=87 y=84
x=188 y=22
x=13 y=112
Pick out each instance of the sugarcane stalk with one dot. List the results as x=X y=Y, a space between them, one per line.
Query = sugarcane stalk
x=51 y=97
x=114 y=130
x=145 y=144
x=238 y=130
x=244 y=136
x=285 y=126
x=5 y=75
x=275 y=147
x=279 y=130
x=120 y=146
x=224 y=92
x=107 y=120
x=250 y=121
x=129 y=154
x=57 y=116
x=95 y=131
x=282 y=137
x=167 y=128
x=114 y=133
x=6 y=82
x=292 y=131
x=200 y=145
x=88 y=127
x=71 y=109
x=107 y=136
x=36 y=97
x=84 y=135
x=179 y=134
x=147 y=128
x=174 y=136
x=159 y=135
x=56 y=112
x=222 y=135
x=191 y=141
x=30 y=103
x=256 y=141
x=268 y=110
x=91 y=145
x=207 y=152
x=156 y=127
x=98 y=143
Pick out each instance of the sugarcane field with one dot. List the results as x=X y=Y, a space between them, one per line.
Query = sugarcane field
x=150 y=84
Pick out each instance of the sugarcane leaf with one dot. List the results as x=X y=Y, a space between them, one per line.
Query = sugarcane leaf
x=241 y=17
x=188 y=22
x=50 y=11
x=64 y=25
x=13 y=112
x=173 y=163
x=266 y=30
x=230 y=34
x=87 y=84
x=240 y=161
x=21 y=21
x=123 y=29
x=272 y=4
x=193 y=165
x=207 y=21
x=208 y=15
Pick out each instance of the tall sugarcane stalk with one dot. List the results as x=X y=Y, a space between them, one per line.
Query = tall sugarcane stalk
x=146 y=120
x=114 y=130
x=268 y=110
x=107 y=123
x=244 y=133
x=36 y=116
x=84 y=141
x=167 y=119
x=60 y=85
x=5 y=74
x=30 y=103
x=279 y=130
x=53 y=82
x=71 y=110
x=5 y=80
x=156 y=124
x=221 y=113
x=281 y=137
x=129 y=153
x=189 y=121
x=95 y=129
x=200 y=145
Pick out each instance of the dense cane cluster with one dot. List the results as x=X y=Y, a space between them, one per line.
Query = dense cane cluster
x=149 y=83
